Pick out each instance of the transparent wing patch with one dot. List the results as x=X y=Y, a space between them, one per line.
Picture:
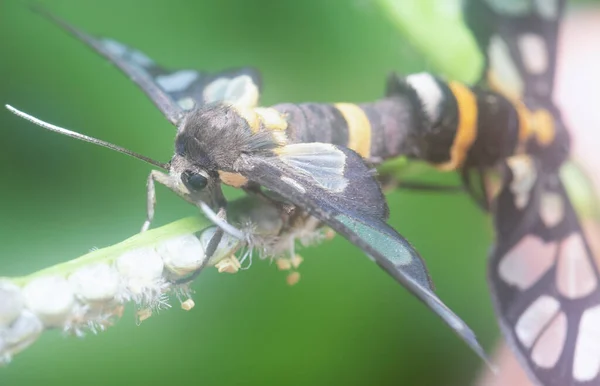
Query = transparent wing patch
x=323 y=162
x=545 y=280
x=518 y=39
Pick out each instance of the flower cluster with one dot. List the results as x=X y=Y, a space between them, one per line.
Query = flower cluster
x=89 y=293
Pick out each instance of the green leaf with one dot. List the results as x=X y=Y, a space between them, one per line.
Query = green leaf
x=436 y=29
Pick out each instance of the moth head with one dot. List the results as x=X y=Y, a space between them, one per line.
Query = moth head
x=191 y=180
x=195 y=182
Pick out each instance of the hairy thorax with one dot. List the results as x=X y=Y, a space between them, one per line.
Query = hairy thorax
x=213 y=137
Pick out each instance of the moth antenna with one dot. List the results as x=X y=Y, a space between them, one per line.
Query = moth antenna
x=73 y=134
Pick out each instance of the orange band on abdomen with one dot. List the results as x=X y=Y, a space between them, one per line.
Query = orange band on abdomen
x=466 y=132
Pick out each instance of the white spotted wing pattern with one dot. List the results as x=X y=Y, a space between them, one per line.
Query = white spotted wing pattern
x=518 y=39
x=545 y=282
x=174 y=92
x=543 y=273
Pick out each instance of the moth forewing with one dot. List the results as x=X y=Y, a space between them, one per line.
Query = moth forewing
x=351 y=202
x=174 y=92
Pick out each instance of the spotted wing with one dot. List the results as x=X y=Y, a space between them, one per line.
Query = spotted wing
x=334 y=184
x=544 y=279
x=173 y=91
x=518 y=40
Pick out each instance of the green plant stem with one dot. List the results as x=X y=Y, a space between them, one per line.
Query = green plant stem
x=453 y=52
x=109 y=254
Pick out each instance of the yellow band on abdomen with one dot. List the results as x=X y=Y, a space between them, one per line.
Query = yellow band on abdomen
x=466 y=132
x=359 y=128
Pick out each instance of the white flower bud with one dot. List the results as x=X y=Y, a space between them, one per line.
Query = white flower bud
x=22 y=333
x=11 y=303
x=182 y=255
x=140 y=269
x=95 y=283
x=50 y=298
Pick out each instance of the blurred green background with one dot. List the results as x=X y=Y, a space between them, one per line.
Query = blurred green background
x=345 y=323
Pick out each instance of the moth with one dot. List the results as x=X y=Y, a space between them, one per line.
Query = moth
x=506 y=138
x=309 y=155
x=543 y=273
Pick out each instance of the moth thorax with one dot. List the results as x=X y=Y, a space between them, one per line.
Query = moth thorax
x=214 y=136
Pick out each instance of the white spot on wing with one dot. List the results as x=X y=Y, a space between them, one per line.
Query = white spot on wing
x=141 y=59
x=548 y=9
x=177 y=81
x=575 y=276
x=527 y=262
x=186 y=103
x=549 y=346
x=586 y=362
x=429 y=93
x=504 y=71
x=535 y=318
x=215 y=91
x=534 y=52
x=524 y=176
x=241 y=91
x=114 y=47
x=552 y=209
x=323 y=162
x=294 y=184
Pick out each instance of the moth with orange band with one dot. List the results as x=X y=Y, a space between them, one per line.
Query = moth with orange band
x=543 y=274
x=309 y=155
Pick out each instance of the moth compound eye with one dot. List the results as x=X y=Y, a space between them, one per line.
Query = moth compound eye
x=194 y=181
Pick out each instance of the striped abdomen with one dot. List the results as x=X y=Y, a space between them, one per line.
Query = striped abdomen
x=463 y=126
x=447 y=124
x=376 y=131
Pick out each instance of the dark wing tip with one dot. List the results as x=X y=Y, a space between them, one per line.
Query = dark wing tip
x=452 y=320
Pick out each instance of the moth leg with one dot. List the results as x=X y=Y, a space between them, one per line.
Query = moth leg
x=480 y=199
x=256 y=189
x=214 y=240
x=427 y=187
x=389 y=183
x=161 y=178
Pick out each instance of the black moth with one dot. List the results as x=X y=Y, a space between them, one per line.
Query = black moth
x=222 y=136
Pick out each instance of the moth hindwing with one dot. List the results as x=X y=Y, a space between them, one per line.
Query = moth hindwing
x=543 y=274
